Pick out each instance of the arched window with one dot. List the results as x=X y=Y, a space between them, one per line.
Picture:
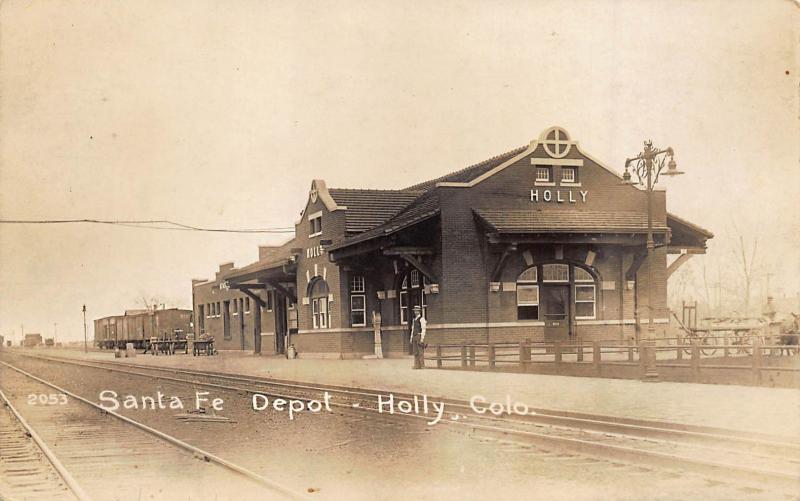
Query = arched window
x=528 y=294
x=418 y=283
x=585 y=294
x=559 y=281
x=318 y=293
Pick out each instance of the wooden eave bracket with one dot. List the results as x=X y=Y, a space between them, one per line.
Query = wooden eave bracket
x=423 y=268
x=253 y=295
x=501 y=263
x=634 y=267
x=678 y=263
x=283 y=290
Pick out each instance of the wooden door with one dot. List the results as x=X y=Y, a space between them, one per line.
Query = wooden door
x=555 y=303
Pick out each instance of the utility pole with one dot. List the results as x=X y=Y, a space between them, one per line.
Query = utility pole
x=85 y=346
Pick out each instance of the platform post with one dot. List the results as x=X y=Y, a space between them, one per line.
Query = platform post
x=725 y=343
x=695 y=361
x=596 y=355
x=463 y=355
x=757 y=361
x=647 y=360
x=557 y=356
x=525 y=354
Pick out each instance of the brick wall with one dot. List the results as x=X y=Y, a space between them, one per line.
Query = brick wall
x=463 y=263
x=242 y=324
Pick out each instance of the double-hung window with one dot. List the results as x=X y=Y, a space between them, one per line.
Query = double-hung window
x=569 y=175
x=585 y=291
x=528 y=295
x=358 y=301
x=315 y=224
x=544 y=174
x=319 y=303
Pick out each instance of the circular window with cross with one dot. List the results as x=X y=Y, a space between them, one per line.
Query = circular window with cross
x=556 y=142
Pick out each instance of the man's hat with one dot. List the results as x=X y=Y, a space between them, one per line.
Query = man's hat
x=418 y=308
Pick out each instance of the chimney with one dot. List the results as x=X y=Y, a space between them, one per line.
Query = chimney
x=224 y=268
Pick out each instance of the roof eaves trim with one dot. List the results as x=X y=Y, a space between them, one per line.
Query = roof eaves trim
x=530 y=149
x=325 y=196
x=516 y=158
x=706 y=233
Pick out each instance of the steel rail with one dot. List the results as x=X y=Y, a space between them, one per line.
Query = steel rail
x=73 y=484
x=579 y=446
x=569 y=419
x=643 y=428
x=207 y=456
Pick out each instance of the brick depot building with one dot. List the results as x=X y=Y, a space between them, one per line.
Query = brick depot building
x=543 y=242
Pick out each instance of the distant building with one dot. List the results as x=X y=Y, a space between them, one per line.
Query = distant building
x=32 y=340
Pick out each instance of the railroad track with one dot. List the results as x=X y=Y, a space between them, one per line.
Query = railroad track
x=722 y=454
x=101 y=454
x=28 y=468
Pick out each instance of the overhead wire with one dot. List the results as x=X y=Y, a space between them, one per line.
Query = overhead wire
x=148 y=224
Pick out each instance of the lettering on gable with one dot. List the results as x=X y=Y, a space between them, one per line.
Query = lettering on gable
x=315 y=251
x=559 y=196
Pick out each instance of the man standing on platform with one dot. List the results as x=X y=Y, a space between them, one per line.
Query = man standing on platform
x=418 y=338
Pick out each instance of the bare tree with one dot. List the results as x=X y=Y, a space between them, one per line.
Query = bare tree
x=746 y=258
x=705 y=285
x=155 y=302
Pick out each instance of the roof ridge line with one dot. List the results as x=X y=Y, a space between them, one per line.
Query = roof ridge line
x=479 y=164
x=401 y=190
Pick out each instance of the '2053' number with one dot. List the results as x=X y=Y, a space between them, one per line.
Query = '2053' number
x=44 y=399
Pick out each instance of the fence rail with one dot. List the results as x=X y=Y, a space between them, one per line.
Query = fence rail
x=751 y=360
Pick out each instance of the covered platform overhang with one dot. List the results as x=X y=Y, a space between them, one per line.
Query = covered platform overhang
x=263 y=275
x=512 y=226
x=507 y=228
x=396 y=240
x=687 y=240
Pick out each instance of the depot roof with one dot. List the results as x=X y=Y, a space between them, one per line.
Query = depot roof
x=564 y=221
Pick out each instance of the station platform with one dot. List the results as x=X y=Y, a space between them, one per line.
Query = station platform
x=766 y=410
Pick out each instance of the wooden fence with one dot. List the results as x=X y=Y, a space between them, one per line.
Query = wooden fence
x=708 y=360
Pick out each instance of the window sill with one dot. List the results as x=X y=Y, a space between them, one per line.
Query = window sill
x=544 y=183
x=570 y=185
x=319 y=233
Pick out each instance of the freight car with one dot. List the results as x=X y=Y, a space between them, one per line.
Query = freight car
x=32 y=340
x=138 y=326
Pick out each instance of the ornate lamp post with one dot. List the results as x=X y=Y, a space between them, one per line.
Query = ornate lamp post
x=648 y=167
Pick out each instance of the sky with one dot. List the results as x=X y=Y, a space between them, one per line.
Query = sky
x=220 y=114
